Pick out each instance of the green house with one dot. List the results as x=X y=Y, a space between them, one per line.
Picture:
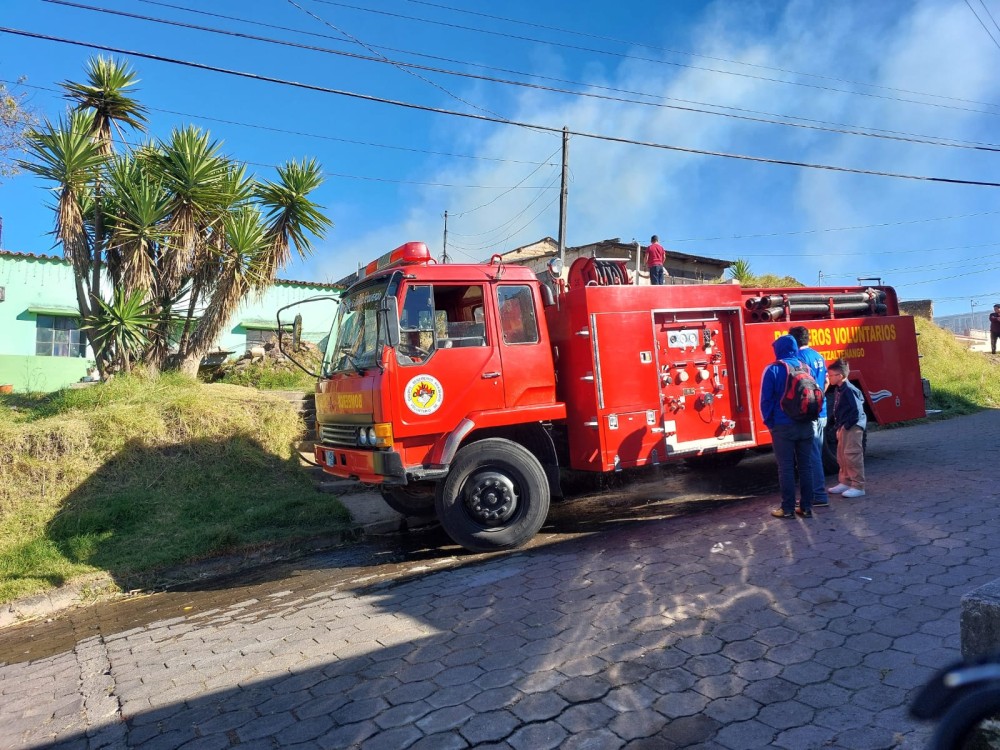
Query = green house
x=43 y=349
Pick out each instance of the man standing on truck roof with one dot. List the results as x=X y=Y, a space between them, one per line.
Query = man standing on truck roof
x=655 y=255
x=815 y=362
x=792 y=441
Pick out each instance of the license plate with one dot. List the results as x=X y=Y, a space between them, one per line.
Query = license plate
x=331 y=458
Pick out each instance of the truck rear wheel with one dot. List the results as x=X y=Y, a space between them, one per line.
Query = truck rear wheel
x=411 y=500
x=495 y=497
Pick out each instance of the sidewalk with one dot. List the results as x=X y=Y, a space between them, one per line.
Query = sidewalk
x=722 y=629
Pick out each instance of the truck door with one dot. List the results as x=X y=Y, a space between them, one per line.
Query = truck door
x=526 y=354
x=448 y=363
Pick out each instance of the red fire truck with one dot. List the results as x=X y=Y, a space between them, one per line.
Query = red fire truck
x=463 y=390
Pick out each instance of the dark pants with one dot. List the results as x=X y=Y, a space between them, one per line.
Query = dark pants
x=656 y=275
x=793 y=447
x=993 y=341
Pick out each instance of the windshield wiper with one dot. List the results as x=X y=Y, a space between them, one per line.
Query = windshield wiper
x=353 y=361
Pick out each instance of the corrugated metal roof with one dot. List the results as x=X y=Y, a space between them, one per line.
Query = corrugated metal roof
x=38 y=256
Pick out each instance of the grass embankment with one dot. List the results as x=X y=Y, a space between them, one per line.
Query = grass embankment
x=962 y=382
x=137 y=475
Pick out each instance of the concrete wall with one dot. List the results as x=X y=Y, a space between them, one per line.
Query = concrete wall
x=38 y=284
x=920 y=308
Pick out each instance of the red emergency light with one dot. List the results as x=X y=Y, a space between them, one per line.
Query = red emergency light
x=408 y=254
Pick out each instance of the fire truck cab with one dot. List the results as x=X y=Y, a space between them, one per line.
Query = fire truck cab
x=462 y=390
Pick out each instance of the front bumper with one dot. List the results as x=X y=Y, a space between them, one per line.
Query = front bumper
x=370 y=466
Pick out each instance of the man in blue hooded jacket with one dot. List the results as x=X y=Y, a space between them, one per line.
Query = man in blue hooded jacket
x=792 y=441
x=815 y=362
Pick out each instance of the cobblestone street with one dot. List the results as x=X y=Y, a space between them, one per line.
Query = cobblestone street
x=719 y=629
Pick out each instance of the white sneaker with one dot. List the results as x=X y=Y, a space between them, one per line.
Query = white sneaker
x=839 y=488
x=852 y=492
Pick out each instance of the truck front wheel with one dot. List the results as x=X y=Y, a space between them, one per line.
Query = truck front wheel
x=495 y=497
x=411 y=500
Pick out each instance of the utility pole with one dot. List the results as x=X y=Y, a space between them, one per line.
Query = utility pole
x=444 y=252
x=820 y=278
x=562 y=197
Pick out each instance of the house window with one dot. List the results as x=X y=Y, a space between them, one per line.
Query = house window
x=57 y=336
x=259 y=337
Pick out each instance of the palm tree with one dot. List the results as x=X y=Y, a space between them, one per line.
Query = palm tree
x=740 y=271
x=172 y=222
x=291 y=215
x=105 y=95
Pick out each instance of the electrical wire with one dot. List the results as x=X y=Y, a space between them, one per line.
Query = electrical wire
x=550 y=89
x=599 y=87
x=398 y=66
x=506 y=225
x=305 y=134
x=831 y=229
x=981 y=23
x=501 y=195
x=502 y=242
x=990 y=14
x=485 y=118
x=633 y=43
x=645 y=59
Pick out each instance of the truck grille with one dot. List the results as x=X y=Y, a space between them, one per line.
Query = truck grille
x=342 y=435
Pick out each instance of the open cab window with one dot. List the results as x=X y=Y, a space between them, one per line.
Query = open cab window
x=439 y=316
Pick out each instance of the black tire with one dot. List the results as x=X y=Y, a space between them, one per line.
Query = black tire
x=716 y=461
x=495 y=497
x=958 y=726
x=411 y=500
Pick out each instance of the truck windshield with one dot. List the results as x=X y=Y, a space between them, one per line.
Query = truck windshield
x=356 y=338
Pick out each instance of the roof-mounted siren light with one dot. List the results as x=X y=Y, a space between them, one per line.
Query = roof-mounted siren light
x=405 y=255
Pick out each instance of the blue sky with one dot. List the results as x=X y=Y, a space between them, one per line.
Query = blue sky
x=917 y=70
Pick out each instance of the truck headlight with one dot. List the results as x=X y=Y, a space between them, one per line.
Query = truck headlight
x=362 y=436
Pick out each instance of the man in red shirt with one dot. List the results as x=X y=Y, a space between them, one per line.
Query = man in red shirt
x=655 y=255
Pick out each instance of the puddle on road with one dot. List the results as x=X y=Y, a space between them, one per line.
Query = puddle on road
x=669 y=491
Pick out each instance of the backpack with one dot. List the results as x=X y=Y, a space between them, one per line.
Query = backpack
x=802 y=399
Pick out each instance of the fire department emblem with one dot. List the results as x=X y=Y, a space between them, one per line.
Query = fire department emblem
x=424 y=395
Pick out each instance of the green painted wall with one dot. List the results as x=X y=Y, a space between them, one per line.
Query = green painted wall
x=32 y=281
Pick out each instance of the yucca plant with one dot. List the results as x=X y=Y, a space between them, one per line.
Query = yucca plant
x=124 y=328
x=167 y=225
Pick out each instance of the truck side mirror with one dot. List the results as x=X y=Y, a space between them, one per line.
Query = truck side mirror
x=389 y=311
x=293 y=331
x=548 y=297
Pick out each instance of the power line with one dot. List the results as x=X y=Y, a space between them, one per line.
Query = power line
x=909 y=251
x=527 y=224
x=484 y=118
x=491 y=79
x=506 y=225
x=698 y=55
x=832 y=229
x=990 y=14
x=571 y=82
x=647 y=59
x=985 y=27
x=498 y=197
x=396 y=65
x=305 y=134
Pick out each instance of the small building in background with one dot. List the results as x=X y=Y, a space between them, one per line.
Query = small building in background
x=681 y=267
x=43 y=349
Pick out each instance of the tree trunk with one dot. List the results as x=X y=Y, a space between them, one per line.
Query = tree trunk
x=188 y=364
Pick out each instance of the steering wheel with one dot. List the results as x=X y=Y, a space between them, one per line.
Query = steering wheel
x=413 y=350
